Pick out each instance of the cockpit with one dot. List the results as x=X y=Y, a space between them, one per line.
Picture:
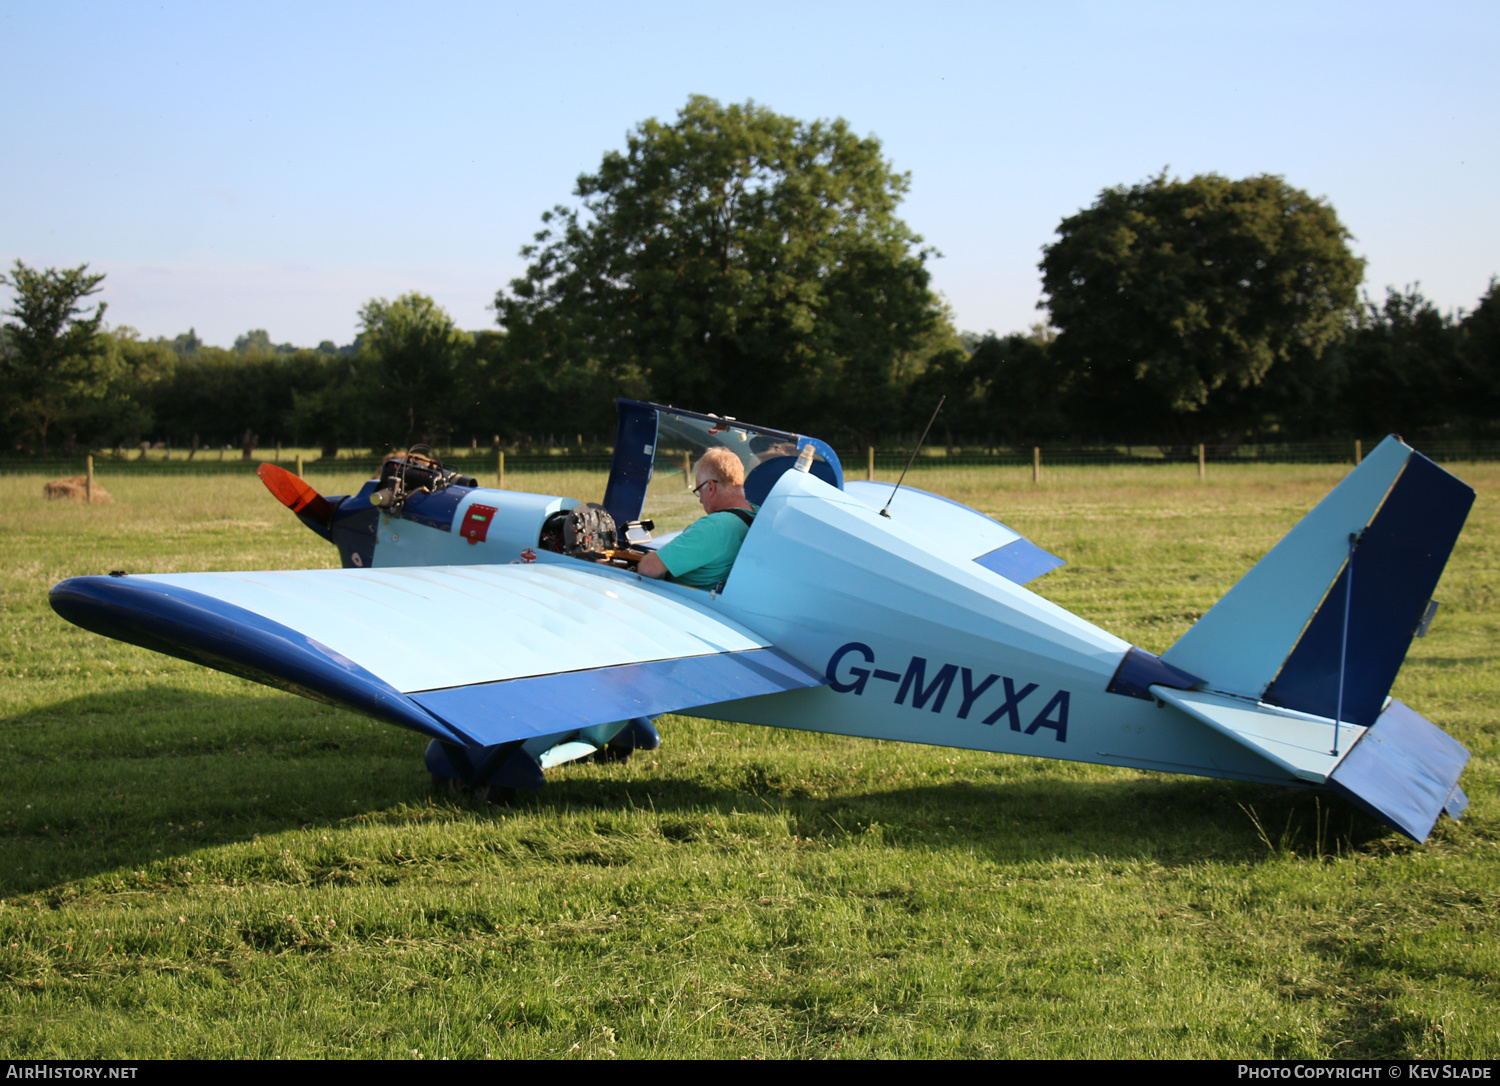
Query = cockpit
x=650 y=477
x=656 y=445
x=417 y=512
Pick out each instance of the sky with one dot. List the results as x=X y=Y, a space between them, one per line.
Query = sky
x=277 y=165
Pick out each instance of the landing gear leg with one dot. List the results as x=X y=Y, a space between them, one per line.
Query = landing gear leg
x=451 y=788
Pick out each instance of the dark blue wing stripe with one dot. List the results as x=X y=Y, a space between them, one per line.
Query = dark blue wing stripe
x=546 y=704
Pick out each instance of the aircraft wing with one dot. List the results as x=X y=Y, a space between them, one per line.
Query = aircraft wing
x=479 y=655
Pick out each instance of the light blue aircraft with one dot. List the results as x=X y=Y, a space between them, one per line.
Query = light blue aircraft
x=512 y=631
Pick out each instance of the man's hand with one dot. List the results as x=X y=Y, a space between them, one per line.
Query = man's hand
x=652 y=566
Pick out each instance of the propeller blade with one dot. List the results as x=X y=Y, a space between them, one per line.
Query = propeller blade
x=295 y=493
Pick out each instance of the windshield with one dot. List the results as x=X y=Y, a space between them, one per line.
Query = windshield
x=681 y=440
x=651 y=475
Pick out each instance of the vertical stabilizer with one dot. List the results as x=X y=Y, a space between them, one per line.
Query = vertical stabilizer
x=1325 y=619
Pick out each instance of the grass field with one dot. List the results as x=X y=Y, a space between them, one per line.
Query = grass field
x=194 y=866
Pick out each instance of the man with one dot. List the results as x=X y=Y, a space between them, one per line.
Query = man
x=703 y=553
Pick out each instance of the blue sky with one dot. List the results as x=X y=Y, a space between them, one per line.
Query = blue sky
x=277 y=165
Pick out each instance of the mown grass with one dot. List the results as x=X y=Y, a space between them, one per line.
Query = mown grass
x=191 y=865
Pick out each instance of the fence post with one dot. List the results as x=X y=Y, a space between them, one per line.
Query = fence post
x=299 y=465
x=1358 y=453
x=1036 y=464
x=687 y=471
x=500 y=466
x=88 y=479
x=1201 y=474
x=869 y=463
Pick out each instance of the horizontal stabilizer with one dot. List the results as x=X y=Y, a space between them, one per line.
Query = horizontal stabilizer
x=1298 y=743
x=1405 y=772
x=957 y=531
x=1402 y=769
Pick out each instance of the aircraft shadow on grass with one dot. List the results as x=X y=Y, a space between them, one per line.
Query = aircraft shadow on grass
x=143 y=801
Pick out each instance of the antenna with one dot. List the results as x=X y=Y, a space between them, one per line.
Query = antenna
x=884 y=511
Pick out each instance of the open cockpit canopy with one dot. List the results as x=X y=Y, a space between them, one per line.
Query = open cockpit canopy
x=655 y=441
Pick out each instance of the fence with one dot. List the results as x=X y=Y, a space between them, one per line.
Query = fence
x=483 y=467
x=1322 y=452
x=857 y=463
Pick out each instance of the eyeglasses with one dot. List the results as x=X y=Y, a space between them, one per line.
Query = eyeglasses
x=701 y=485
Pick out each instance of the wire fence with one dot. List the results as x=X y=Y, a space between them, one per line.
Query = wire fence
x=858 y=463
x=1322 y=452
x=157 y=463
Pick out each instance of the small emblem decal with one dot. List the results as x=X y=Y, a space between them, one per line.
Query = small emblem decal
x=476 y=522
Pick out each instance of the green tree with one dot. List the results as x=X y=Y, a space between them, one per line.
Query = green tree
x=1401 y=368
x=56 y=360
x=410 y=357
x=258 y=341
x=255 y=341
x=327 y=406
x=735 y=260
x=1176 y=302
x=1478 y=384
x=187 y=344
x=1003 y=392
x=139 y=369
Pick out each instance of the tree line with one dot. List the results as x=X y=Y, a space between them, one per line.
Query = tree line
x=751 y=264
x=1398 y=366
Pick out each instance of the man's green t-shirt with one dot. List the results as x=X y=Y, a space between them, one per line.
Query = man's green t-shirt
x=702 y=555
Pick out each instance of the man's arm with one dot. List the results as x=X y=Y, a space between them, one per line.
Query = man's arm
x=699 y=544
x=652 y=564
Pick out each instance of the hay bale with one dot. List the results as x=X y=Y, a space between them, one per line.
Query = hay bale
x=72 y=488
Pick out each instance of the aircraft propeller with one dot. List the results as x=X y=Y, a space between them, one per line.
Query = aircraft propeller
x=296 y=493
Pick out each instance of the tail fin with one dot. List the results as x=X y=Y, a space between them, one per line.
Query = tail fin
x=1325 y=619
